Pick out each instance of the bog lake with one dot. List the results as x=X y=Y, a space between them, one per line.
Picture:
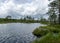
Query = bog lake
x=17 y=32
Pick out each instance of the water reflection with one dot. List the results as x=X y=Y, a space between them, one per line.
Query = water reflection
x=17 y=32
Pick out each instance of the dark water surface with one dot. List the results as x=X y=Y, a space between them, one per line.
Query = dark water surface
x=17 y=32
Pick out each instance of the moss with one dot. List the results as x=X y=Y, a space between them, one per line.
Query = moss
x=49 y=38
x=50 y=28
x=53 y=35
x=43 y=30
x=39 y=32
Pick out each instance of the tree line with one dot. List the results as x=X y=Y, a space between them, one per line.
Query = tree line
x=27 y=19
x=54 y=12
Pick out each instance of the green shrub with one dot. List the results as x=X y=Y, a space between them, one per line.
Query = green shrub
x=40 y=32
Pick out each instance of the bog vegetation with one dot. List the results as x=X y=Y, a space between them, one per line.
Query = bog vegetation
x=51 y=32
x=27 y=19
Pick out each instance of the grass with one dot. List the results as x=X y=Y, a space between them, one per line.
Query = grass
x=39 y=32
x=44 y=22
x=50 y=34
x=49 y=38
x=52 y=28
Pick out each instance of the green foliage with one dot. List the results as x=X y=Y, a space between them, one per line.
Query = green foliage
x=40 y=32
x=49 y=38
x=44 y=22
x=55 y=6
x=5 y=20
x=52 y=36
x=52 y=28
x=52 y=15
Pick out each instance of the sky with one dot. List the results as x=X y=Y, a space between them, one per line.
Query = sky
x=17 y=8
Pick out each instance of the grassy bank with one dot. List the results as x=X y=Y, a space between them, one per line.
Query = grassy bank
x=47 y=34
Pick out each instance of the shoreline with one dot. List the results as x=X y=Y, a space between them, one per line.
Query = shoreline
x=50 y=32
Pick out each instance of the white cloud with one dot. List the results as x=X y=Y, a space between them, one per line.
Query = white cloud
x=35 y=7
